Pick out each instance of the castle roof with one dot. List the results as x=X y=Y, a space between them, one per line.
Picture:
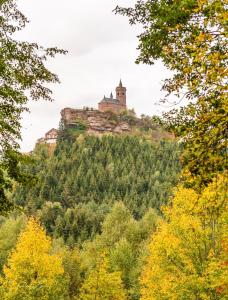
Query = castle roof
x=110 y=100
x=52 y=130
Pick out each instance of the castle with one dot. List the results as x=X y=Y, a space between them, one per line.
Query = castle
x=96 y=120
x=49 y=138
x=117 y=104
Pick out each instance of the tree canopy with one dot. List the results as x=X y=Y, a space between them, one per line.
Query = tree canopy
x=191 y=39
x=23 y=77
x=101 y=284
x=32 y=271
x=86 y=175
x=188 y=253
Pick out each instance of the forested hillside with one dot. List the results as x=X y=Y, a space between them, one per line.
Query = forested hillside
x=79 y=183
x=117 y=216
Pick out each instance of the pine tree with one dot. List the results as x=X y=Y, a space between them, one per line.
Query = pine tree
x=96 y=173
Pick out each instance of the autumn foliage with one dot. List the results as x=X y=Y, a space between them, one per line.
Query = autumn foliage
x=187 y=255
x=32 y=272
x=102 y=284
x=117 y=231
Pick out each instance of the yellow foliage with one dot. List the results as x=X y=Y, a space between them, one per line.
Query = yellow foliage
x=32 y=272
x=102 y=284
x=188 y=254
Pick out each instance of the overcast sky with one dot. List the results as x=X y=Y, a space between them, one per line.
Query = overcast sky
x=102 y=49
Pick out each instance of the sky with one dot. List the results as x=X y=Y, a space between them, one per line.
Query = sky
x=102 y=48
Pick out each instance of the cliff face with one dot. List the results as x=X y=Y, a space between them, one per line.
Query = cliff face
x=96 y=122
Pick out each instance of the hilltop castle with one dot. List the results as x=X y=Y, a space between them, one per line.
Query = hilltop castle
x=97 y=120
x=117 y=104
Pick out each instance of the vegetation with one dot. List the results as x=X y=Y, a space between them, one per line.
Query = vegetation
x=101 y=284
x=86 y=175
x=23 y=76
x=124 y=239
x=120 y=250
x=9 y=231
x=188 y=253
x=190 y=36
x=32 y=271
x=121 y=222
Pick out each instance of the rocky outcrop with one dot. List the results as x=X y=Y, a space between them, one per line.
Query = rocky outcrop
x=95 y=121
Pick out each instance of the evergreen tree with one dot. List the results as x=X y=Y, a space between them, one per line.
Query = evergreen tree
x=88 y=175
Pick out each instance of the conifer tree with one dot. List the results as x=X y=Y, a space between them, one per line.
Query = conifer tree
x=130 y=169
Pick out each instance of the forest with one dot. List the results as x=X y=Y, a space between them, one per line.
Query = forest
x=101 y=194
x=81 y=181
x=120 y=216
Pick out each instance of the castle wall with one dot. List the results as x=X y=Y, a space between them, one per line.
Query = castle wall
x=106 y=106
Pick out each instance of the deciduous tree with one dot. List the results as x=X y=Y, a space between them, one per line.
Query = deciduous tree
x=190 y=36
x=10 y=228
x=101 y=284
x=32 y=272
x=188 y=254
x=23 y=76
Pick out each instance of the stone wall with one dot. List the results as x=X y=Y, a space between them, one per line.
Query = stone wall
x=106 y=106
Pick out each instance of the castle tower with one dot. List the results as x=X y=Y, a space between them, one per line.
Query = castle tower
x=121 y=94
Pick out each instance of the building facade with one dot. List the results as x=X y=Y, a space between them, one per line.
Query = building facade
x=116 y=104
x=51 y=136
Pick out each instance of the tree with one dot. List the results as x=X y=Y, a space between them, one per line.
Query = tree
x=74 y=269
x=23 y=76
x=125 y=240
x=124 y=169
x=32 y=272
x=190 y=36
x=9 y=231
x=102 y=284
x=188 y=253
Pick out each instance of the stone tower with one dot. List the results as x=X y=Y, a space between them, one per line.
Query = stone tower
x=121 y=94
x=117 y=104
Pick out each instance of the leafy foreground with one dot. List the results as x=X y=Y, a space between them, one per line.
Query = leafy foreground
x=188 y=253
x=109 y=265
x=190 y=37
x=23 y=77
x=86 y=175
x=32 y=272
x=183 y=256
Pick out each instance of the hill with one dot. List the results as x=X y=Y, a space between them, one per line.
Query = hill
x=78 y=182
